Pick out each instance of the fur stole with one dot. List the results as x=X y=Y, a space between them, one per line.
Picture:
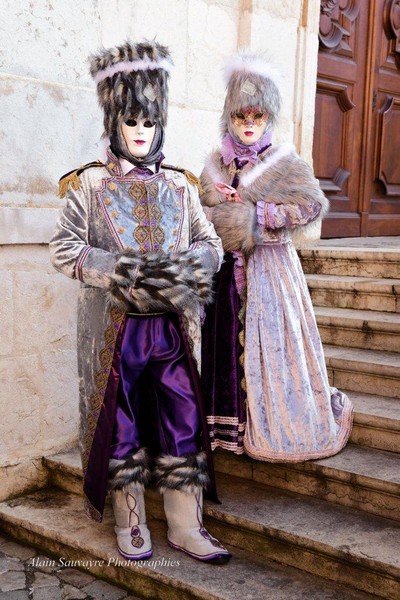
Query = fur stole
x=281 y=177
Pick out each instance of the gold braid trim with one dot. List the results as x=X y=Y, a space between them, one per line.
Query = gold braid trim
x=106 y=355
x=241 y=336
x=191 y=177
x=91 y=511
x=69 y=180
x=72 y=178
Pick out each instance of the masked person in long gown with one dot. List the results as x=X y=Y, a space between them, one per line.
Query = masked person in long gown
x=264 y=372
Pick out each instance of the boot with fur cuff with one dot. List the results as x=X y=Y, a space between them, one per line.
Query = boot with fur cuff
x=133 y=536
x=184 y=512
x=126 y=481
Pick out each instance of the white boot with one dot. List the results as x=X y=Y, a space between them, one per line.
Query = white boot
x=184 y=512
x=133 y=536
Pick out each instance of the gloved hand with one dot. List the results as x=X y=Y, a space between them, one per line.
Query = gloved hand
x=231 y=194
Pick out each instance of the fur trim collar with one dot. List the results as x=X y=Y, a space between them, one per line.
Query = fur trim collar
x=280 y=152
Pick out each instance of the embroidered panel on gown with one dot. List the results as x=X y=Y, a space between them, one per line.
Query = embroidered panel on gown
x=222 y=373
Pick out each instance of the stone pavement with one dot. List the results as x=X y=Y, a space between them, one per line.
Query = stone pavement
x=25 y=574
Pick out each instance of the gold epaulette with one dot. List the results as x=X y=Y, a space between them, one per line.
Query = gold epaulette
x=72 y=178
x=191 y=177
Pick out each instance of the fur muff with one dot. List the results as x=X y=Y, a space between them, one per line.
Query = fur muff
x=134 y=469
x=184 y=473
x=132 y=78
x=236 y=225
x=159 y=282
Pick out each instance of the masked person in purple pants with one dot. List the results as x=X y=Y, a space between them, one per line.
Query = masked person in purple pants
x=134 y=233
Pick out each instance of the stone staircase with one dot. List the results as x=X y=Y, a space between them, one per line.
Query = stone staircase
x=326 y=529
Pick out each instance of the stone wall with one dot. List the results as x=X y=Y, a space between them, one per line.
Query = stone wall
x=51 y=123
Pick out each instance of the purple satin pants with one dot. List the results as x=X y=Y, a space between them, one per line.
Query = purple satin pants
x=153 y=353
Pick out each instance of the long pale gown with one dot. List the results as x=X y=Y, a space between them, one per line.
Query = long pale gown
x=287 y=411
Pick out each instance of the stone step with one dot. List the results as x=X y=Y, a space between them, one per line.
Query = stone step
x=361 y=478
x=359 y=328
x=53 y=520
x=367 y=371
x=340 y=544
x=376 y=422
x=354 y=262
x=362 y=293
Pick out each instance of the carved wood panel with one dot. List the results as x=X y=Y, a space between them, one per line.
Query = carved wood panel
x=388 y=163
x=391 y=24
x=336 y=24
x=382 y=200
x=338 y=104
x=333 y=103
x=357 y=122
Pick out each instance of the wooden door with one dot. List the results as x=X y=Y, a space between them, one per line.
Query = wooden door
x=357 y=121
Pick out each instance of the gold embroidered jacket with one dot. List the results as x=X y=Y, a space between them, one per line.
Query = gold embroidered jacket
x=106 y=212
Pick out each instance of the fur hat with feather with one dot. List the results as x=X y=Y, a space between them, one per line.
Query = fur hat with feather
x=252 y=82
x=132 y=79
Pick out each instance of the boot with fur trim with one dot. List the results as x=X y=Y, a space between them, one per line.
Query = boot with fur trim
x=133 y=535
x=126 y=483
x=181 y=481
x=160 y=282
x=184 y=473
x=184 y=512
x=133 y=469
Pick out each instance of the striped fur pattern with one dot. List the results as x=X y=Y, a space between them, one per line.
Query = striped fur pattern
x=159 y=282
x=251 y=73
x=123 y=92
x=134 y=469
x=185 y=473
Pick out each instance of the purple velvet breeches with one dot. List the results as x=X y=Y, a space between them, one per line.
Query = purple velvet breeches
x=156 y=397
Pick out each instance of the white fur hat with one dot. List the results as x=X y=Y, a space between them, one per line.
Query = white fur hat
x=251 y=81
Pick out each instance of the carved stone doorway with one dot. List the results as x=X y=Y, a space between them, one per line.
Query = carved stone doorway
x=357 y=121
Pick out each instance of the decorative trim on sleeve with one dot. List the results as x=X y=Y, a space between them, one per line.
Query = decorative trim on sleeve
x=205 y=246
x=270 y=215
x=261 y=213
x=80 y=262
